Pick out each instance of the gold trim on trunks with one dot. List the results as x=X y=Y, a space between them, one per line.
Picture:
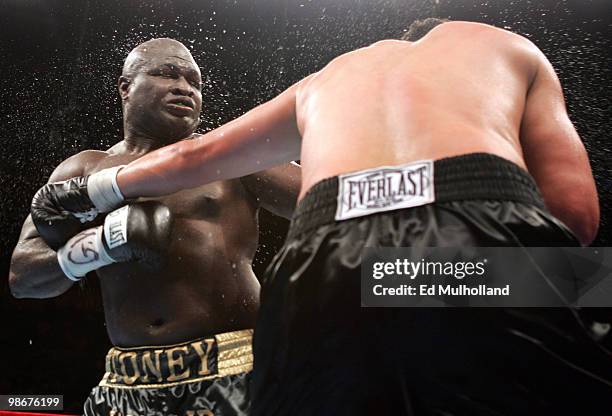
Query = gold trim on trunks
x=165 y=366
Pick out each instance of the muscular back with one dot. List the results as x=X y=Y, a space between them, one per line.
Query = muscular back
x=460 y=89
x=463 y=88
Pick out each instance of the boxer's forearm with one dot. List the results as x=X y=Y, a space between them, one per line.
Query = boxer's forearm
x=35 y=272
x=262 y=138
x=194 y=163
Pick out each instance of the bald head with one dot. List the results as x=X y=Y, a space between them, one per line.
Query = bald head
x=152 y=51
x=160 y=88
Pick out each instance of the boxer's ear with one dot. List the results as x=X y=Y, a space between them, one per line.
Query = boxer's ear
x=124 y=87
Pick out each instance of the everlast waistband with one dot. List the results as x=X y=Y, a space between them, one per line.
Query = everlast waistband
x=153 y=367
x=476 y=176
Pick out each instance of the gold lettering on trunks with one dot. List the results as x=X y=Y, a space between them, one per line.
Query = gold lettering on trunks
x=177 y=362
x=203 y=354
x=114 y=366
x=151 y=366
x=130 y=358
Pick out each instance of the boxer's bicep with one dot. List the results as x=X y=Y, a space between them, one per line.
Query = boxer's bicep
x=556 y=157
x=34 y=270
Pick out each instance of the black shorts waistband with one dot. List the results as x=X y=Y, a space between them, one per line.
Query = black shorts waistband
x=163 y=366
x=476 y=176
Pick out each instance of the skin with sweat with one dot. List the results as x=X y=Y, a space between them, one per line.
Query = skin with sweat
x=207 y=284
x=465 y=87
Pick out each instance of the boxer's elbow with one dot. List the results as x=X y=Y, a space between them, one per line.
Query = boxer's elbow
x=34 y=276
x=570 y=195
x=18 y=285
x=581 y=216
x=16 y=279
x=24 y=287
x=588 y=224
x=587 y=216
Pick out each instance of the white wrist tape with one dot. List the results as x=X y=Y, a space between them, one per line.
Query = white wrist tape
x=83 y=253
x=103 y=190
x=115 y=227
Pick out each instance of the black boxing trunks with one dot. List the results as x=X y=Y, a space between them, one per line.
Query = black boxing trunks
x=317 y=352
x=205 y=377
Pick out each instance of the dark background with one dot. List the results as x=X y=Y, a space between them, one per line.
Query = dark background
x=59 y=63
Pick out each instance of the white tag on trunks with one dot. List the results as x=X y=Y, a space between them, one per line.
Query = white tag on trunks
x=385 y=188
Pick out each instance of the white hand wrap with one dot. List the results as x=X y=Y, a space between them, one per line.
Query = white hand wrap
x=83 y=253
x=103 y=190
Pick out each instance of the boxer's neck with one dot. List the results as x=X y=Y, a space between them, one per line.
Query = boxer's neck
x=139 y=142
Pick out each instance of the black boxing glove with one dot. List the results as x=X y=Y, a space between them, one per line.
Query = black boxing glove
x=60 y=209
x=138 y=233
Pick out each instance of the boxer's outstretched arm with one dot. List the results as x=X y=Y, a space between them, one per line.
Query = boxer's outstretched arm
x=264 y=137
x=34 y=270
x=556 y=157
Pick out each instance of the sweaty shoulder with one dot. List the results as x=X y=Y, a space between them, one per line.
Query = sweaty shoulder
x=490 y=38
x=77 y=165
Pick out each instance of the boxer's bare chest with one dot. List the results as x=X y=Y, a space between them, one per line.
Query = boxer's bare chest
x=214 y=238
x=217 y=200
